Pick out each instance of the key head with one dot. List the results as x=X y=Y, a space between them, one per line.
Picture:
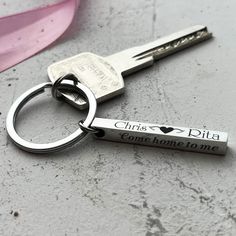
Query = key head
x=93 y=71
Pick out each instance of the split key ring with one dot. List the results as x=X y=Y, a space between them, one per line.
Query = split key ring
x=66 y=83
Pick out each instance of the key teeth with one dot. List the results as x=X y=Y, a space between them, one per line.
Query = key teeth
x=200 y=34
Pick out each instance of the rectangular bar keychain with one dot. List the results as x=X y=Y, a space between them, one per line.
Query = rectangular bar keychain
x=189 y=139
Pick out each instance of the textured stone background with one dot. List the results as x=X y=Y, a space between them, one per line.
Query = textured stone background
x=102 y=188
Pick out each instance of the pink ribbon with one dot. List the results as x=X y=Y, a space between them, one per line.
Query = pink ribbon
x=23 y=35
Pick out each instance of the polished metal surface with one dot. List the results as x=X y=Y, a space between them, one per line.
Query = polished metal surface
x=58 y=145
x=104 y=75
x=189 y=139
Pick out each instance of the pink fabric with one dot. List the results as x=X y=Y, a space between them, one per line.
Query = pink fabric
x=24 y=34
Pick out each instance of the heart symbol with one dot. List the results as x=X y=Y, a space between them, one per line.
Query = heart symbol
x=166 y=130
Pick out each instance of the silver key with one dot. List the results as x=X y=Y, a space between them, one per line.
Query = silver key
x=104 y=75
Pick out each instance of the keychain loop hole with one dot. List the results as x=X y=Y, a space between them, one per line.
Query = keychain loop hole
x=57 y=84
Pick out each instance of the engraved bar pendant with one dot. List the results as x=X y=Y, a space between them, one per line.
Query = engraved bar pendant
x=189 y=139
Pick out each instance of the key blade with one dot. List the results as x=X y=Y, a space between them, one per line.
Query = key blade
x=175 y=42
x=136 y=58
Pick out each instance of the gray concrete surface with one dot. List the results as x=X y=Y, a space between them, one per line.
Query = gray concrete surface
x=102 y=188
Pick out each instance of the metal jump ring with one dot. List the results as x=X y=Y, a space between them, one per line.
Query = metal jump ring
x=87 y=129
x=58 y=145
